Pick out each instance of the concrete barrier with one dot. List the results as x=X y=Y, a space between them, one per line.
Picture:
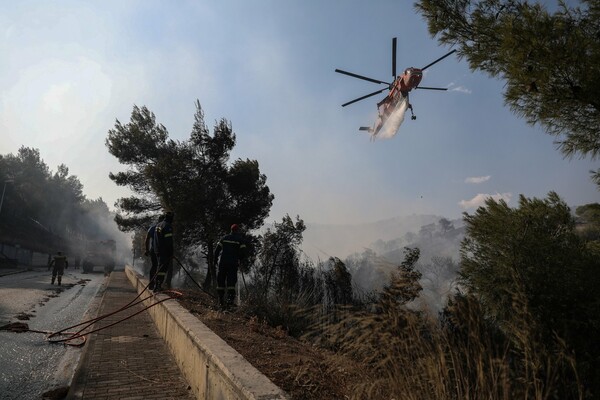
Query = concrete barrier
x=213 y=369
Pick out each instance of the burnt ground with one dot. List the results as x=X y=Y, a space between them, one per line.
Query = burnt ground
x=301 y=369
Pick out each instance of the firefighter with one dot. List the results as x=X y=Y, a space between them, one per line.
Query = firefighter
x=163 y=247
x=232 y=249
x=59 y=263
x=149 y=243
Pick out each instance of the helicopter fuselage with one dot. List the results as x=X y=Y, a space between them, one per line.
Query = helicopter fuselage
x=406 y=82
x=399 y=89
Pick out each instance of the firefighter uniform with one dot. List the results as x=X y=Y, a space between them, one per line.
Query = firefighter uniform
x=231 y=250
x=149 y=244
x=163 y=247
x=58 y=264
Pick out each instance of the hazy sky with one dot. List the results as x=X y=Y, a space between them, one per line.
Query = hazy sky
x=70 y=68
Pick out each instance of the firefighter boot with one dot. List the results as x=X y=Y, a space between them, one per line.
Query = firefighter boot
x=231 y=298
x=52 y=283
x=59 y=279
x=221 y=294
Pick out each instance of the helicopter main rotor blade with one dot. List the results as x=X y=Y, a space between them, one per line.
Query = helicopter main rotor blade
x=394 y=40
x=437 y=61
x=430 y=88
x=363 y=97
x=360 y=77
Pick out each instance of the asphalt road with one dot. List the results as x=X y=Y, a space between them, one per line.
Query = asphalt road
x=29 y=365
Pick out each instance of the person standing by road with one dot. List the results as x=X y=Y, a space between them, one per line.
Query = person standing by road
x=164 y=249
x=58 y=264
x=231 y=249
x=149 y=243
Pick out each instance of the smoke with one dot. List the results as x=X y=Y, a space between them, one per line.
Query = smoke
x=439 y=245
x=98 y=224
x=332 y=240
x=391 y=126
x=108 y=229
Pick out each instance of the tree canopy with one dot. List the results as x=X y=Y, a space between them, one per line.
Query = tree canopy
x=192 y=178
x=42 y=209
x=529 y=265
x=549 y=61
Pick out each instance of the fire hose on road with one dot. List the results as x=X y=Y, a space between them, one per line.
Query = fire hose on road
x=78 y=338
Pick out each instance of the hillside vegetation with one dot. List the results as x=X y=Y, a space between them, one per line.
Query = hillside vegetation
x=46 y=211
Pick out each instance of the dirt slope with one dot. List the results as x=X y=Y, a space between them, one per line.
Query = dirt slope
x=299 y=368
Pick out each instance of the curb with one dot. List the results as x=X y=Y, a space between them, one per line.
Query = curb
x=213 y=369
x=12 y=273
x=78 y=381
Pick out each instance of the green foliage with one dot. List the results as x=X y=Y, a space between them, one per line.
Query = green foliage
x=463 y=355
x=404 y=284
x=44 y=210
x=508 y=250
x=278 y=264
x=284 y=290
x=140 y=142
x=485 y=362
x=339 y=282
x=529 y=268
x=379 y=334
x=192 y=178
x=589 y=213
x=142 y=146
x=549 y=61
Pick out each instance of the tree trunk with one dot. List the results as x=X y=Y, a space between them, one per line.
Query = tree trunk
x=211 y=274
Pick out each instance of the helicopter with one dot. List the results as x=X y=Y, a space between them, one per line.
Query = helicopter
x=398 y=90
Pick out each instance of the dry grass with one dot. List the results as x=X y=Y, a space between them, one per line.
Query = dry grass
x=414 y=357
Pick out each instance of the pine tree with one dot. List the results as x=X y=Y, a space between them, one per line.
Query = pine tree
x=193 y=178
x=549 y=61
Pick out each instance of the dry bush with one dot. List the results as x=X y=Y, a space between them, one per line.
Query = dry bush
x=460 y=356
x=281 y=311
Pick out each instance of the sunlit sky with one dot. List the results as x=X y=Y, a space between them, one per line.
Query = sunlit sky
x=69 y=69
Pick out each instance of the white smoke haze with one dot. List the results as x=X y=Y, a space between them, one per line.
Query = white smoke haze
x=321 y=241
x=379 y=248
x=102 y=228
x=480 y=198
x=391 y=126
x=477 y=179
x=109 y=230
